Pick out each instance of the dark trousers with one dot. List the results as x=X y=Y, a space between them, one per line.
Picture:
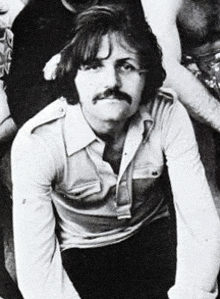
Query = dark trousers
x=141 y=267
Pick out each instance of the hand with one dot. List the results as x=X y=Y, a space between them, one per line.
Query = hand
x=51 y=66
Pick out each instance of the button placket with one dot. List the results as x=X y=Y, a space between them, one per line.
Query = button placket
x=123 y=199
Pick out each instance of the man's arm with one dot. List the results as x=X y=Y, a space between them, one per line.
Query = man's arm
x=198 y=225
x=40 y=273
x=161 y=15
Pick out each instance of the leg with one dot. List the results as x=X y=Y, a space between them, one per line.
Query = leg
x=140 y=267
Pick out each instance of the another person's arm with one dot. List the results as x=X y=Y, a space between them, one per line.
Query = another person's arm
x=161 y=15
x=7 y=125
x=40 y=273
x=198 y=225
x=8 y=11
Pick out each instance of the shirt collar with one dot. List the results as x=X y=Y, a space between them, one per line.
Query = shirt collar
x=78 y=134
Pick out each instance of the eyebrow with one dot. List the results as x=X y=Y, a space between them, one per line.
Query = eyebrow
x=128 y=58
x=120 y=60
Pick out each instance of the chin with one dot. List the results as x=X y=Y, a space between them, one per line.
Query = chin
x=114 y=114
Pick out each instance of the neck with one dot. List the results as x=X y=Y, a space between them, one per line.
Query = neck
x=113 y=135
x=107 y=129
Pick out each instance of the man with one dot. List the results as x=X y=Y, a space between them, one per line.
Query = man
x=184 y=29
x=43 y=13
x=91 y=217
x=41 y=30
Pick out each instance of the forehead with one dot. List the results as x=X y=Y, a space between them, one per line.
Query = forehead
x=115 y=47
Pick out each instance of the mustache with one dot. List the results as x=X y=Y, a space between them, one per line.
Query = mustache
x=113 y=93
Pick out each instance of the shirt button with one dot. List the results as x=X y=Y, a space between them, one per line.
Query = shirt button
x=61 y=109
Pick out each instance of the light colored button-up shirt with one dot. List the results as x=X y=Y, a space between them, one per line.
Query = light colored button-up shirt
x=57 y=165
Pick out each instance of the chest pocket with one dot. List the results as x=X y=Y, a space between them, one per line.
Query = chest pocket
x=147 y=171
x=83 y=191
x=80 y=180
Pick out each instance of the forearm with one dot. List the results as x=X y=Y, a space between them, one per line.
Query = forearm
x=197 y=266
x=197 y=259
x=193 y=95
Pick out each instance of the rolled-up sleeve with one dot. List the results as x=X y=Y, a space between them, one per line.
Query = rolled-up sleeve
x=38 y=261
x=198 y=226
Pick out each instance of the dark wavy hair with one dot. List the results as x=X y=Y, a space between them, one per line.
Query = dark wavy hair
x=96 y=22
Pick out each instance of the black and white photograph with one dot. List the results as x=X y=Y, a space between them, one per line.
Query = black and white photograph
x=109 y=149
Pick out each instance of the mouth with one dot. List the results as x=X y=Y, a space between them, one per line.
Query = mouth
x=110 y=99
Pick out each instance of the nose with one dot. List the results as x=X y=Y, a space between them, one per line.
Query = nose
x=112 y=78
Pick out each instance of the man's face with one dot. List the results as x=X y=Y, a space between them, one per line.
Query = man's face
x=110 y=87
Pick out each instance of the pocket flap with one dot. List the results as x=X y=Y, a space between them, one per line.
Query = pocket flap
x=84 y=190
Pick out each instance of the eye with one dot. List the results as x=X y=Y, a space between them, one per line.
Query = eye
x=126 y=68
x=91 y=66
